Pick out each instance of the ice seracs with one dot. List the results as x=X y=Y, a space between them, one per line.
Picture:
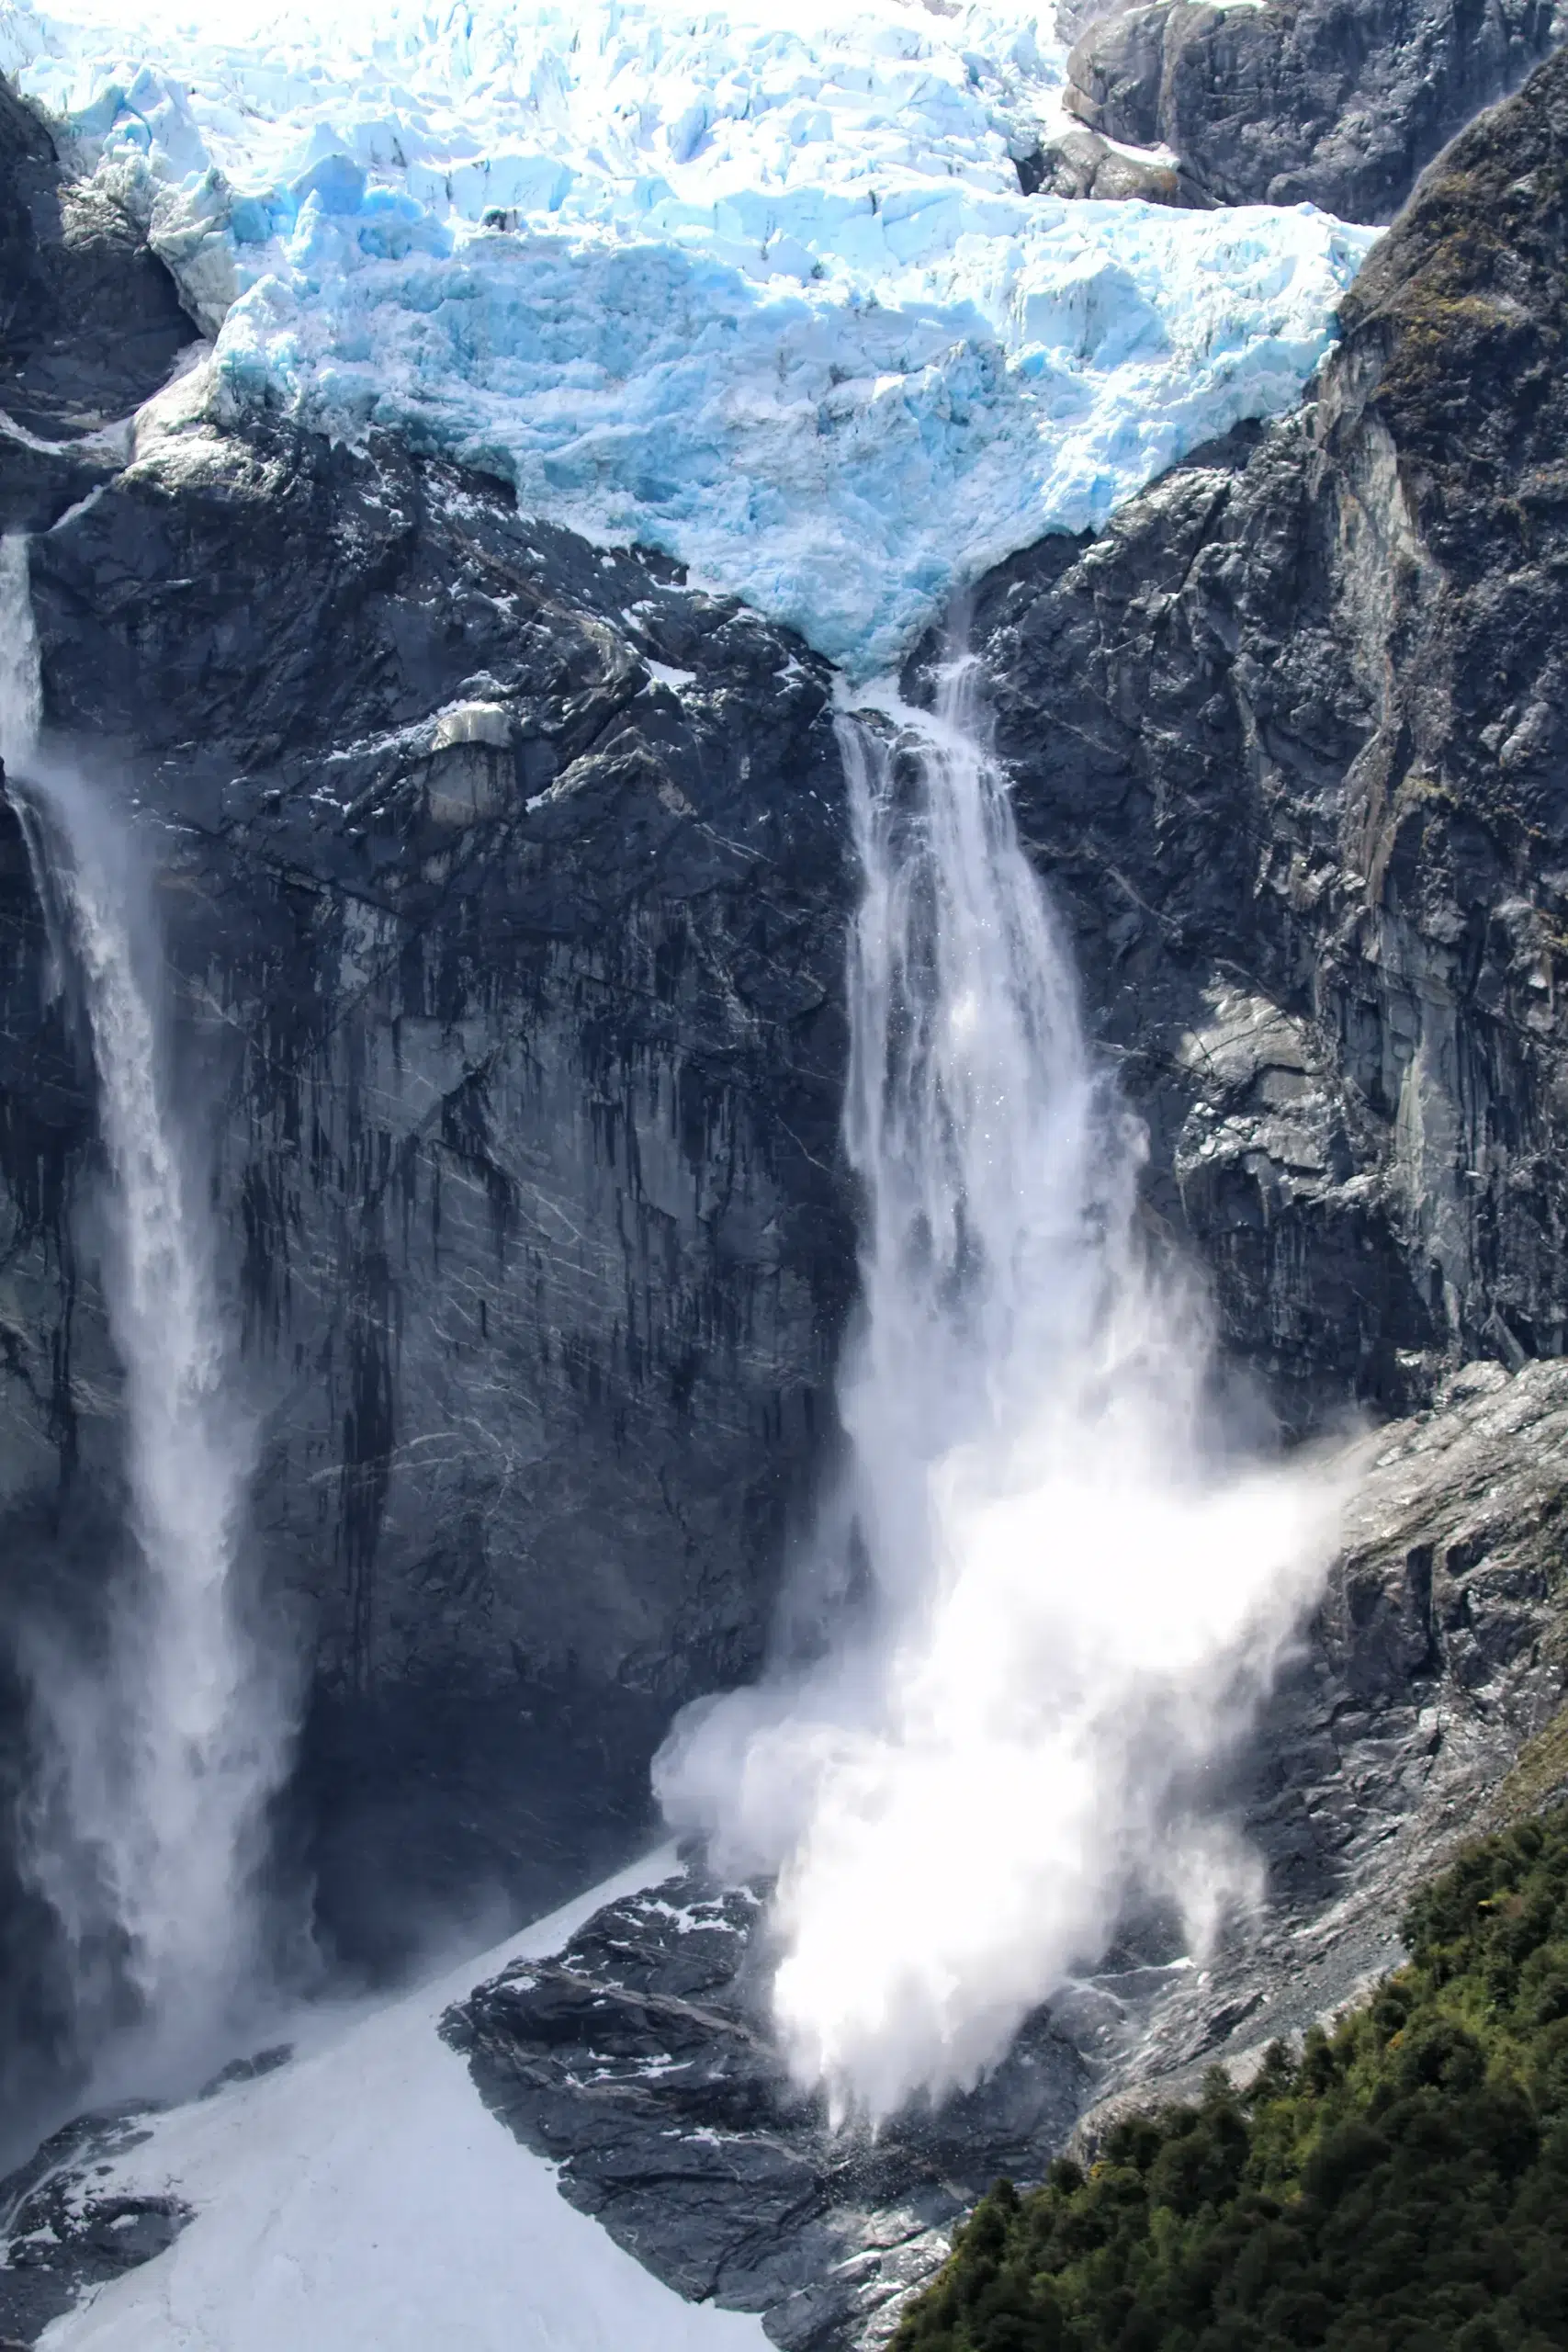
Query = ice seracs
x=753 y=285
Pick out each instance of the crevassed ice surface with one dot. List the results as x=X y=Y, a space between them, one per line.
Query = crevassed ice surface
x=752 y=283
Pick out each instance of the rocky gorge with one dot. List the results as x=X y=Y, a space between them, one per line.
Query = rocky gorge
x=505 y=880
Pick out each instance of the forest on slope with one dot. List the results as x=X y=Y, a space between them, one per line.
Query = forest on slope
x=1400 y=2187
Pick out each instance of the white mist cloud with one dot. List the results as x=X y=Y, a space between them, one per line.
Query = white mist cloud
x=1074 y=1604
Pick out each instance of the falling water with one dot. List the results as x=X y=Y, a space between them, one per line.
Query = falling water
x=1057 y=1606
x=21 y=693
x=160 y=1755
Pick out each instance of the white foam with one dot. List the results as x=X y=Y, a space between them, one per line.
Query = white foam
x=767 y=295
x=1053 y=1597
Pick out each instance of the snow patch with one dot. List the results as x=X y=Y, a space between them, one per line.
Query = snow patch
x=362 y=2198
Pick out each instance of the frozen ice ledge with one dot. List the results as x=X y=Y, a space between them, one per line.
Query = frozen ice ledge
x=756 y=286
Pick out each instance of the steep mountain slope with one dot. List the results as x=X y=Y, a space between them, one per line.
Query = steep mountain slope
x=505 y=881
x=1286 y=739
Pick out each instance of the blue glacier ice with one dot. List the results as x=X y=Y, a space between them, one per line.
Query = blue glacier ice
x=752 y=283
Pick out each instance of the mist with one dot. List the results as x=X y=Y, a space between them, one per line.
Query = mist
x=1050 y=1596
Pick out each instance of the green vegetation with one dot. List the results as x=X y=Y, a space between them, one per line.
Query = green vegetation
x=1540 y=1769
x=1403 y=2186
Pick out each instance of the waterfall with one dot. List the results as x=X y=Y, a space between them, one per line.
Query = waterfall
x=21 y=692
x=159 y=1751
x=1059 y=1602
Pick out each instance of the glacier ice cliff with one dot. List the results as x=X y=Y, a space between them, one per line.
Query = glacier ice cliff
x=759 y=290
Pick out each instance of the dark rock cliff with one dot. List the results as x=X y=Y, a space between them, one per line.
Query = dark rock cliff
x=1338 y=103
x=505 y=881
x=503 y=885
x=90 y=324
x=1289 y=741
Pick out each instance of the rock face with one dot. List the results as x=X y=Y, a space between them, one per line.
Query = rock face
x=1439 y=1654
x=1288 y=741
x=1338 y=103
x=503 y=887
x=60 y=2234
x=515 y=872
x=89 y=325
x=1082 y=163
x=506 y=882
x=639 y=2061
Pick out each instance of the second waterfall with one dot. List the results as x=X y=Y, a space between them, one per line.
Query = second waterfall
x=1046 y=1603
x=161 y=1737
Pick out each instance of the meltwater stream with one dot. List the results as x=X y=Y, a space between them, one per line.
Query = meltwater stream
x=159 y=1749
x=1058 y=1605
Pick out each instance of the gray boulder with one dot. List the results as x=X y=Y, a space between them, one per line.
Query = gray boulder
x=1081 y=163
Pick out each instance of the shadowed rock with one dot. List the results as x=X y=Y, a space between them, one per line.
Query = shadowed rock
x=89 y=325
x=1289 y=743
x=1340 y=103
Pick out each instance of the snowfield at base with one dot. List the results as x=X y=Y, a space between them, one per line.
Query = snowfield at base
x=754 y=284
x=362 y=2199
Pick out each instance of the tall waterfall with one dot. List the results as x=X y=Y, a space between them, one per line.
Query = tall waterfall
x=159 y=1751
x=1058 y=1605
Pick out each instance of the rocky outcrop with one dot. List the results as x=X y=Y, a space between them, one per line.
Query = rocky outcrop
x=1439 y=1655
x=1081 y=163
x=639 y=2061
x=1338 y=103
x=1288 y=741
x=514 y=873
x=90 y=324
x=62 y=2233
